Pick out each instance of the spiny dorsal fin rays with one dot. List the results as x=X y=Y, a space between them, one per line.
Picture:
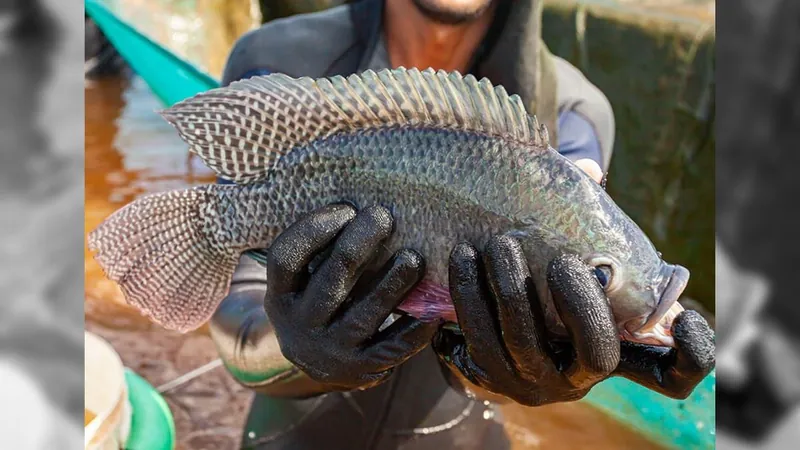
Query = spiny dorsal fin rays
x=391 y=113
x=407 y=97
x=241 y=131
x=466 y=110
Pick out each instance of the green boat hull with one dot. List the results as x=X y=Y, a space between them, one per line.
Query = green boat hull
x=170 y=77
x=686 y=424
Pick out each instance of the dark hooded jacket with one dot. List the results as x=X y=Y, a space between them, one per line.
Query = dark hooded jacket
x=418 y=407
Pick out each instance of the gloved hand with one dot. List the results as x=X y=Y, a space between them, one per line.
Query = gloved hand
x=673 y=372
x=504 y=348
x=327 y=321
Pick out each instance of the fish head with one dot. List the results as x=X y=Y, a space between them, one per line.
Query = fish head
x=643 y=298
x=642 y=288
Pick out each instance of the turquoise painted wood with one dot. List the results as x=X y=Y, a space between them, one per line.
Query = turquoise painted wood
x=687 y=424
x=680 y=424
x=170 y=77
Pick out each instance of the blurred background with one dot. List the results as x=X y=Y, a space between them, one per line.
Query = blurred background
x=758 y=352
x=41 y=198
x=661 y=174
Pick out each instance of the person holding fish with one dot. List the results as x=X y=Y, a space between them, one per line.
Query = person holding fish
x=465 y=264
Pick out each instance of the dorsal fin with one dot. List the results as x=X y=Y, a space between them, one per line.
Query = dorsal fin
x=240 y=131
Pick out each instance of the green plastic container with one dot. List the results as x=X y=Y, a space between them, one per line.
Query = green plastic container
x=127 y=410
x=152 y=426
x=686 y=425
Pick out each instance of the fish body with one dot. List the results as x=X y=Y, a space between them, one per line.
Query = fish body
x=476 y=167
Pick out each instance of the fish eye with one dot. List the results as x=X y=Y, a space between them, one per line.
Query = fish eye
x=603 y=273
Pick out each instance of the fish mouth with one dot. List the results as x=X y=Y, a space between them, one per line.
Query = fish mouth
x=656 y=329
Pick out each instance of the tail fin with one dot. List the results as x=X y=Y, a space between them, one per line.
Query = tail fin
x=161 y=251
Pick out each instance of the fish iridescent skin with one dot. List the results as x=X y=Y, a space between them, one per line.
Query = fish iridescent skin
x=453 y=159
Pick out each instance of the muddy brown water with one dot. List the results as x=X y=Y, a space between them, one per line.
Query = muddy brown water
x=131 y=151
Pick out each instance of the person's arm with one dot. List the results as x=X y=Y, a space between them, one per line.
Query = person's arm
x=586 y=123
x=578 y=141
x=246 y=340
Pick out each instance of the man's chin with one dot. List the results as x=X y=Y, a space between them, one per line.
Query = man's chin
x=448 y=12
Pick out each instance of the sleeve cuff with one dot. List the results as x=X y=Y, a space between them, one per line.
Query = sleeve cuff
x=578 y=139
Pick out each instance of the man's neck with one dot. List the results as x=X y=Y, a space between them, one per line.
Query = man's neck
x=414 y=40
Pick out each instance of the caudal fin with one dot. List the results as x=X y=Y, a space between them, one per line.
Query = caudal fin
x=161 y=251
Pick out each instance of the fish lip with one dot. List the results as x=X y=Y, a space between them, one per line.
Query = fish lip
x=673 y=289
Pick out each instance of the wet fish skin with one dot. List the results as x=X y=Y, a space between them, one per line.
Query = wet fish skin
x=443 y=184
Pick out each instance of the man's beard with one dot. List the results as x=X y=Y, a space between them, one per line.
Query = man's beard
x=447 y=15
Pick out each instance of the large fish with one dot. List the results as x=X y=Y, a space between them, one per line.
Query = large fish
x=452 y=157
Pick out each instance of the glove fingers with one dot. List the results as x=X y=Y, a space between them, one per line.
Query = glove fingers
x=584 y=310
x=400 y=341
x=695 y=355
x=362 y=320
x=331 y=284
x=673 y=372
x=293 y=249
x=695 y=342
x=520 y=315
x=642 y=364
x=475 y=312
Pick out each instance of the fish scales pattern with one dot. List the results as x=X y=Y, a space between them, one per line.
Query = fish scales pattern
x=242 y=130
x=453 y=158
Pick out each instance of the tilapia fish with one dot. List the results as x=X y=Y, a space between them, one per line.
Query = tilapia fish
x=453 y=158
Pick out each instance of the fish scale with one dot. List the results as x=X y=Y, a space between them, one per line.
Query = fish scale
x=453 y=158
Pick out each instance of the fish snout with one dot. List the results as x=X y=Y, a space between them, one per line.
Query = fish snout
x=657 y=328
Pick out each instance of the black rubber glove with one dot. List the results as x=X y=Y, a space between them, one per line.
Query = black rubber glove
x=327 y=321
x=673 y=372
x=504 y=348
